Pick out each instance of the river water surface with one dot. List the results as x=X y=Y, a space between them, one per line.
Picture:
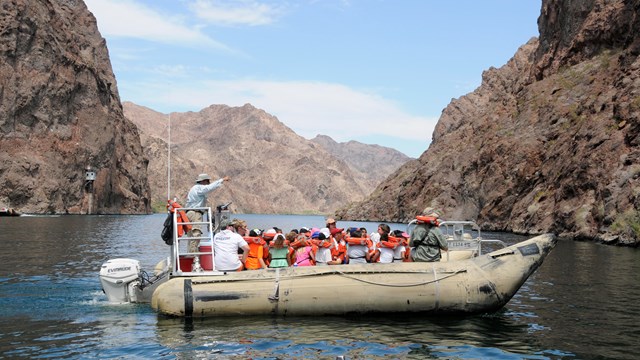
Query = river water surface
x=581 y=304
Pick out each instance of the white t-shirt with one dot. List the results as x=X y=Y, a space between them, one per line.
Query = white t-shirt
x=397 y=253
x=225 y=250
x=386 y=255
x=323 y=255
x=357 y=254
x=375 y=239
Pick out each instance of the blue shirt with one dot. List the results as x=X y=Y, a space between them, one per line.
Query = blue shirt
x=197 y=196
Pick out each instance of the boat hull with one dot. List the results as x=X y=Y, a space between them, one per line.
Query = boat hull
x=482 y=284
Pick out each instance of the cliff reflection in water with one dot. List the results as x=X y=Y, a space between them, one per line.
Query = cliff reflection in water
x=577 y=305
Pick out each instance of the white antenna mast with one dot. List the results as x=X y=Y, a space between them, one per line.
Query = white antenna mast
x=169 y=161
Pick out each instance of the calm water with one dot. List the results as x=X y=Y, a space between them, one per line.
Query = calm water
x=581 y=304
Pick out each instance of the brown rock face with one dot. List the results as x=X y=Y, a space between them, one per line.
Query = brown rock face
x=60 y=112
x=272 y=169
x=572 y=31
x=547 y=143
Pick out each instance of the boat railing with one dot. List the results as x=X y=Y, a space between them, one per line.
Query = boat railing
x=463 y=236
x=184 y=262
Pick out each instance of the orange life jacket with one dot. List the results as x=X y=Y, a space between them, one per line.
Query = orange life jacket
x=296 y=243
x=391 y=243
x=182 y=218
x=321 y=243
x=338 y=252
x=359 y=241
x=254 y=240
x=429 y=220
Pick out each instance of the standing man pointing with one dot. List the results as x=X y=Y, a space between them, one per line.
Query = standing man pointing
x=197 y=197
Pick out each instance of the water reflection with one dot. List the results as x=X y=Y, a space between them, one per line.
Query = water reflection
x=379 y=337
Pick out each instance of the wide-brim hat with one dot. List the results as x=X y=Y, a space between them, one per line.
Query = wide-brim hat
x=203 y=177
x=433 y=212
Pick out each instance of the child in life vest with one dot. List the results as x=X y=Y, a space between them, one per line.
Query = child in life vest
x=279 y=253
x=255 y=258
x=339 y=250
x=303 y=255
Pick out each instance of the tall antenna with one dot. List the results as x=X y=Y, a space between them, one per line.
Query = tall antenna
x=169 y=161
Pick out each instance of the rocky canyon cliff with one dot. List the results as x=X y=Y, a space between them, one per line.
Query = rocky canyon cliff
x=60 y=112
x=549 y=142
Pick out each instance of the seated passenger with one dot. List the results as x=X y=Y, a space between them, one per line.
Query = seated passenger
x=239 y=226
x=387 y=244
x=279 y=253
x=226 y=244
x=358 y=248
x=303 y=255
x=381 y=234
x=399 y=253
x=339 y=250
x=324 y=244
x=291 y=242
x=255 y=258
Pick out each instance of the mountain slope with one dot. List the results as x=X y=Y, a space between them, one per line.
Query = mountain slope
x=273 y=169
x=547 y=143
x=373 y=162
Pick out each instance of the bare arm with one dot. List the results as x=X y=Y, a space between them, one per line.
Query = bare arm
x=245 y=253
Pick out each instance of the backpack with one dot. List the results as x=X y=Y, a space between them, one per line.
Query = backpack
x=167 y=230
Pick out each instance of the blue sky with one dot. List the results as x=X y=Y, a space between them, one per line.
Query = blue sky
x=375 y=71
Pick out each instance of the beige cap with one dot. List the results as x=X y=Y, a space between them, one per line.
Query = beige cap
x=203 y=177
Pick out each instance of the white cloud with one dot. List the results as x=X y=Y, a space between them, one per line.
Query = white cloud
x=130 y=19
x=236 y=12
x=309 y=108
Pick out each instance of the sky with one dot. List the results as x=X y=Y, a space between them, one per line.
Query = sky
x=374 y=71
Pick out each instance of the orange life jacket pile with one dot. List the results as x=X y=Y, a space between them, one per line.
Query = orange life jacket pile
x=182 y=218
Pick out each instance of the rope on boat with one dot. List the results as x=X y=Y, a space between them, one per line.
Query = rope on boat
x=221 y=279
x=402 y=285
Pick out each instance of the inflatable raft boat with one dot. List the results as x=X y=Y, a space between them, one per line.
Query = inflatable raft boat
x=479 y=284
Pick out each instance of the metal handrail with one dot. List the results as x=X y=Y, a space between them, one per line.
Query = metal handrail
x=176 y=254
x=454 y=232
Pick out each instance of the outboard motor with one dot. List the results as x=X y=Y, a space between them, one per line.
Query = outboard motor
x=119 y=279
